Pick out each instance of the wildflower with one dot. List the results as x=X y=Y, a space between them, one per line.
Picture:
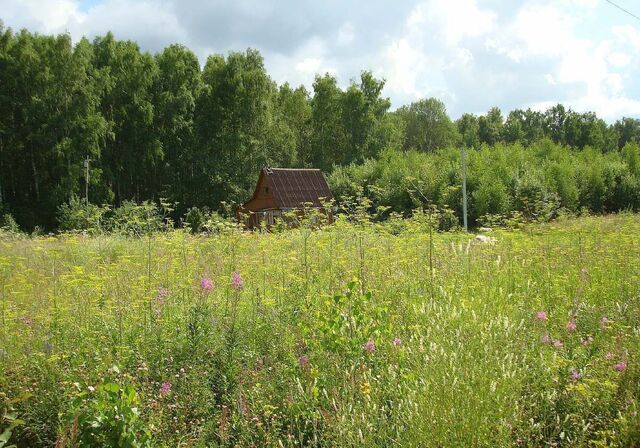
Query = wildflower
x=163 y=293
x=303 y=361
x=571 y=325
x=605 y=322
x=545 y=339
x=397 y=342
x=236 y=281
x=575 y=375
x=558 y=343
x=608 y=356
x=206 y=284
x=587 y=341
x=541 y=315
x=370 y=346
x=91 y=388
x=161 y=297
x=365 y=388
x=26 y=320
x=621 y=366
x=165 y=388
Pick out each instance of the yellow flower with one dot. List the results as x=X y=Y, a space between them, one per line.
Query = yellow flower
x=365 y=388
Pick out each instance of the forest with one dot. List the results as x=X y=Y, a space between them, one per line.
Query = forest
x=164 y=127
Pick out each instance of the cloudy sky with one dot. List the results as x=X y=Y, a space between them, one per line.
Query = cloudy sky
x=472 y=54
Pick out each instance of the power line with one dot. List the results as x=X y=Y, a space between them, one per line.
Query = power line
x=622 y=9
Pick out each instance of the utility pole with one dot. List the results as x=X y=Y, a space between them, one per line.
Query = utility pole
x=86 y=180
x=464 y=188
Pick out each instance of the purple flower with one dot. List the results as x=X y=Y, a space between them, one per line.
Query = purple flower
x=541 y=315
x=206 y=284
x=303 y=361
x=605 y=322
x=236 y=280
x=165 y=388
x=608 y=356
x=575 y=375
x=545 y=339
x=621 y=366
x=557 y=343
x=571 y=325
x=370 y=346
x=397 y=342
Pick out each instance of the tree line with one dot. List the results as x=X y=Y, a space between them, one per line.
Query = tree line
x=163 y=126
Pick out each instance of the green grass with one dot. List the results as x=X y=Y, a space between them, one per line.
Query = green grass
x=471 y=369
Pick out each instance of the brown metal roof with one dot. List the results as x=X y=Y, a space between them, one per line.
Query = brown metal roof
x=293 y=187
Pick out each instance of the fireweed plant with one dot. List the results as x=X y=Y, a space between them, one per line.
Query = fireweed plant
x=355 y=334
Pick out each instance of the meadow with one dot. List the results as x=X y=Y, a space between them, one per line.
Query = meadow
x=352 y=335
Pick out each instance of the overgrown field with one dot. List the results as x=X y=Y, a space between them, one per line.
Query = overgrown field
x=347 y=336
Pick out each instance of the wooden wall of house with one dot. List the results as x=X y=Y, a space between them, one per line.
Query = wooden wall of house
x=263 y=196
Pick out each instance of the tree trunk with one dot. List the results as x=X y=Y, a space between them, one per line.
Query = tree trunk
x=35 y=174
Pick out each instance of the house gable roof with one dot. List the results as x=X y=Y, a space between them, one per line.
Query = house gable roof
x=293 y=187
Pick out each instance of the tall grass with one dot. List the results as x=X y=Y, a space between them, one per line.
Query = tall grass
x=351 y=335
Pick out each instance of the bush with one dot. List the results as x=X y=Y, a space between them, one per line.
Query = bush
x=106 y=417
x=137 y=219
x=194 y=220
x=77 y=215
x=9 y=224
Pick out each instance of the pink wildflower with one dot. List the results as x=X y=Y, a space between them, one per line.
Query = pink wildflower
x=165 y=388
x=575 y=375
x=397 y=342
x=541 y=315
x=605 y=322
x=303 y=361
x=571 y=325
x=545 y=339
x=163 y=293
x=621 y=366
x=236 y=281
x=370 y=346
x=608 y=356
x=161 y=297
x=558 y=343
x=26 y=320
x=206 y=284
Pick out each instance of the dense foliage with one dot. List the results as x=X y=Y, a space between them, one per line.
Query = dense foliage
x=367 y=334
x=162 y=126
x=538 y=182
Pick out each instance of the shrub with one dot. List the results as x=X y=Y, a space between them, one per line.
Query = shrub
x=194 y=219
x=9 y=224
x=136 y=219
x=106 y=417
x=78 y=215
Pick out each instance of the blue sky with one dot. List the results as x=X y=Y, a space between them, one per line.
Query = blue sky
x=472 y=54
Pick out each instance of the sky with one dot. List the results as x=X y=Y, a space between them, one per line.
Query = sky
x=471 y=54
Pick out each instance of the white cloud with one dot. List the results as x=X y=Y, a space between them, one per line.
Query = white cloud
x=346 y=34
x=471 y=54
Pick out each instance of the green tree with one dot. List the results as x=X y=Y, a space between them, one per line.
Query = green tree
x=468 y=128
x=176 y=90
x=428 y=127
x=329 y=139
x=490 y=126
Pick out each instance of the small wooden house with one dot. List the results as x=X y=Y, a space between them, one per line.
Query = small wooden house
x=282 y=190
